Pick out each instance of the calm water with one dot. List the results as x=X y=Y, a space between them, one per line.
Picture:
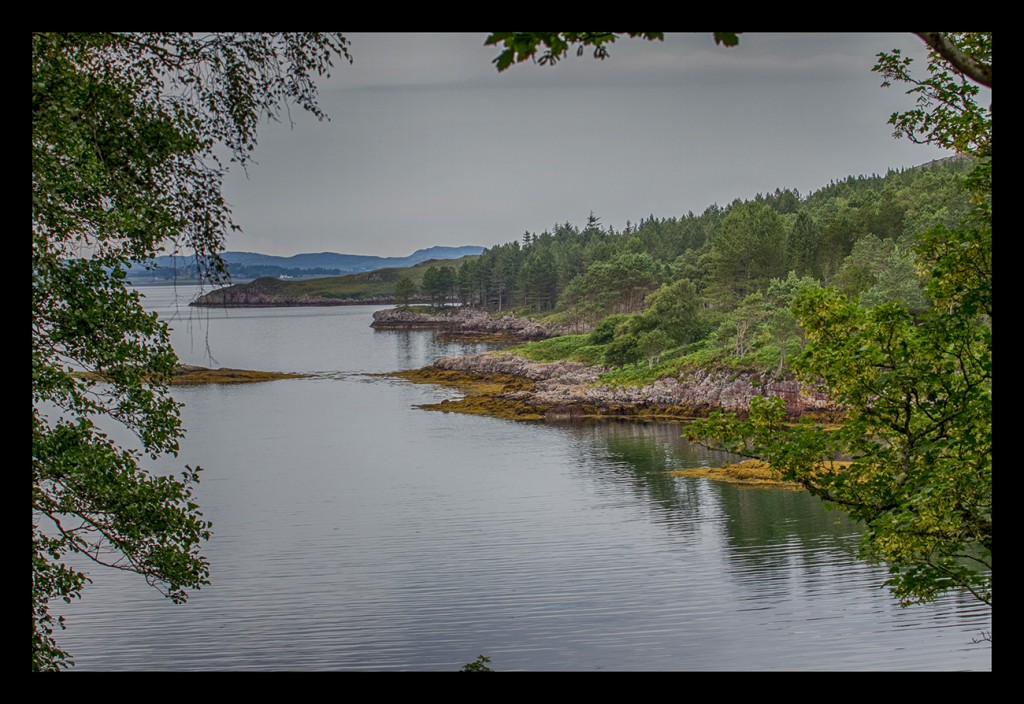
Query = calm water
x=354 y=531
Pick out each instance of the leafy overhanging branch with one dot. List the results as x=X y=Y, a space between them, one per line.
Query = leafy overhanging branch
x=977 y=68
x=554 y=46
x=127 y=133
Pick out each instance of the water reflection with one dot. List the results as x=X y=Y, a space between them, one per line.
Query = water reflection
x=786 y=556
x=415 y=346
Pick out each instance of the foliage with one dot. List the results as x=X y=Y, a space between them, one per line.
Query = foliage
x=479 y=665
x=968 y=53
x=947 y=114
x=126 y=131
x=811 y=235
x=577 y=348
x=675 y=310
x=623 y=349
x=438 y=284
x=782 y=323
x=912 y=365
x=918 y=429
x=859 y=270
x=604 y=332
x=898 y=281
x=641 y=374
x=803 y=244
x=748 y=249
x=368 y=284
x=523 y=46
x=616 y=286
x=670 y=318
x=404 y=289
x=917 y=391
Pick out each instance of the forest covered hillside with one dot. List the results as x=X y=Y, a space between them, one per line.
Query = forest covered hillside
x=700 y=288
x=719 y=284
x=377 y=286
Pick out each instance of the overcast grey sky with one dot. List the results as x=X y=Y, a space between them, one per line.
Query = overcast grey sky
x=429 y=145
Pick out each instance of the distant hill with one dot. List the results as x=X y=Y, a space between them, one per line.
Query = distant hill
x=377 y=286
x=250 y=265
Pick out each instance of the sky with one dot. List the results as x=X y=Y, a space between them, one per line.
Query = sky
x=428 y=144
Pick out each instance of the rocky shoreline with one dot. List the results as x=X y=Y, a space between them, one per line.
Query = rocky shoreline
x=467 y=322
x=510 y=386
x=571 y=390
x=255 y=295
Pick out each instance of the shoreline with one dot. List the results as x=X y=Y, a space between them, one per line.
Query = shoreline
x=190 y=375
x=510 y=386
x=467 y=323
x=527 y=396
x=193 y=375
x=506 y=385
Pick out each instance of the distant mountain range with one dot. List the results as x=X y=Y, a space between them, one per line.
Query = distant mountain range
x=250 y=265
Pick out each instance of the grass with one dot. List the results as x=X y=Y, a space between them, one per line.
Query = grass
x=574 y=348
x=640 y=374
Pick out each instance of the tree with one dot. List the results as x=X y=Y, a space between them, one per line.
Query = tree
x=652 y=343
x=675 y=308
x=918 y=429
x=969 y=54
x=435 y=285
x=948 y=112
x=860 y=269
x=404 y=289
x=802 y=244
x=747 y=250
x=782 y=322
x=523 y=46
x=917 y=391
x=481 y=664
x=898 y=280
x=126 y=132
x=616 y=286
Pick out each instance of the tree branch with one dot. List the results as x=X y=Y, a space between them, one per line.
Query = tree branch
x=978 y=71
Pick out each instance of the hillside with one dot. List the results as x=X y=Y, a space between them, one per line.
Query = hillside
x=251 y=265
x=856 y=233
x=368 y=287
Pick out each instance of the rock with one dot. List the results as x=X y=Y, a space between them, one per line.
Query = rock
x=571 y=389
x=465 y=320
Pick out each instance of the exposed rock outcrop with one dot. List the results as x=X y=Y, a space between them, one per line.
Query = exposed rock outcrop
x=465 y=320
x=571 y=389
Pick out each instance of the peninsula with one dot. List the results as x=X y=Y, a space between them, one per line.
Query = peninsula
x=508 y=384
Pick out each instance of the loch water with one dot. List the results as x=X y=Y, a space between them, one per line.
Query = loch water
x=356 y=531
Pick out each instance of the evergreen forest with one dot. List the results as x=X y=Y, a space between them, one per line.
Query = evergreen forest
x=715 y=287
